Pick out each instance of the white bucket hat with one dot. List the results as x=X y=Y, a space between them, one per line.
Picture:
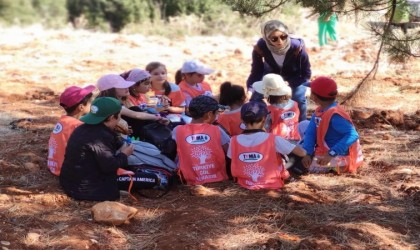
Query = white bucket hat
x=272 y=84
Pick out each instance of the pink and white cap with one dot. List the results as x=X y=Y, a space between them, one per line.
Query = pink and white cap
x=113 y=81
x=74 y=94
x=137 y=75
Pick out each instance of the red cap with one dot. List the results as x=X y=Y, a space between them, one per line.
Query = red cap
x=324 y=87
x=73 y=95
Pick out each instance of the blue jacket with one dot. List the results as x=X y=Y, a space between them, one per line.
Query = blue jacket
x=340 y=135
x=296 y=67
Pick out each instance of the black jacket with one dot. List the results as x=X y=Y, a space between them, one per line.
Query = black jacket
x=89 y=170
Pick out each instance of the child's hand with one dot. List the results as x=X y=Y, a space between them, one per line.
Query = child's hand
x=127 y=149
x=307 y=161
x=164 y=121
x=324 y=160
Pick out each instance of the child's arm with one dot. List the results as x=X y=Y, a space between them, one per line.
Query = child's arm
x=299 y=151
x=143 y=116
x=310 y=137
x=347 y=133
x=225 y=139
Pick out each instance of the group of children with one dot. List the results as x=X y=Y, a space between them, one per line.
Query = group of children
x=217 y=138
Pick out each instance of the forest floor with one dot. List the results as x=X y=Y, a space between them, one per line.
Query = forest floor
x=377 y=208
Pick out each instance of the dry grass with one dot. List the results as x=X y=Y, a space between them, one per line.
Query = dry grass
x=375 y=209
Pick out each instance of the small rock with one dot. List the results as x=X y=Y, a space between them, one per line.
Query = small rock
x=386 y=137
x=32 y=167
x=32 y=238
x=406 y=171
x=5 y=243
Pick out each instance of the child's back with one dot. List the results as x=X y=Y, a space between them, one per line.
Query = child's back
x=200 y=145
x=256 y=155
x=284 y=120
x=76 y=102
x=233 y=96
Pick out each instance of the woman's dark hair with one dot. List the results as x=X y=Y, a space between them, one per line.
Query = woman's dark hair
x=231 y=93
x=110 y=93
x=324 y=99
x=154 y=65
x=178 y=76
x=84 y=101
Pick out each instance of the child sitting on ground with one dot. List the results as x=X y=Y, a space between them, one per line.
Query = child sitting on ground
x=161 y=88
x=138 y=90
x=256 y=155
x=284 y=112
x=201 y=146
x=192 y=85
x=76 y=102
x=233 y=96
x=331 y=139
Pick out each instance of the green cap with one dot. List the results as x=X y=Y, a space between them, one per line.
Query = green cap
x=101 y=109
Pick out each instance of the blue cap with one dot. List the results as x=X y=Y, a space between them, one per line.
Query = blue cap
x=254 y=110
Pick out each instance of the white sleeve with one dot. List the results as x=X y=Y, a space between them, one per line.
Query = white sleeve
x=188 y=99
x=229 y=152
x=174 y=133
x=225 y=137
x=283 y=146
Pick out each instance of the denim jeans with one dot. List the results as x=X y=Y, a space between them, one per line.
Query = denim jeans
x=298 y=95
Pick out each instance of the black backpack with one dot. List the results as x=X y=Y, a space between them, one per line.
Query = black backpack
x=153 y=132
x=148 y=181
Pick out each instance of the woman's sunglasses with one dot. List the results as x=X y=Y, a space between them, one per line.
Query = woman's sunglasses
x=275 y=39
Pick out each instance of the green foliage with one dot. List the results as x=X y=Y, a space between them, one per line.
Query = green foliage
x=24 y=12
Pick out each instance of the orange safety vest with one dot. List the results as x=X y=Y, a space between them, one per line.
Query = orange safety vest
x=348 y=163
x=201 y=156
x=136 y=101
x=285 y=122
x=258 y=167
x=177 y=97
x=58 y=142
x=185 y=87
x=232 y=122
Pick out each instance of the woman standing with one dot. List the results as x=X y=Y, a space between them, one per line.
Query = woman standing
x=276 y=52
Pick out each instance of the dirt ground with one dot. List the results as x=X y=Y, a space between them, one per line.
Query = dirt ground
x=377 y=208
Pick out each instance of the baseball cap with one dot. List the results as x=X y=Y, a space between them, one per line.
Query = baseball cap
x=254 y=110
x=324 y=87
x=74 y=94
x=203 y=104
x=101 y=108
x=137 y=75
x=195 y=66
x=113 y=81
x=272 y=84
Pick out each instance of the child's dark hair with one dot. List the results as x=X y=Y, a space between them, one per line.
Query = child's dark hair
x=178 y=76
x=84 y=101
x=273 y=99
x=251 y=119
x=113 y=115
x=110 y=93
x=231 y=93
x=324 y=99
x=154 y=65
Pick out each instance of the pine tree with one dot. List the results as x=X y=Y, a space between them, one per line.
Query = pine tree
x=399 y=48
